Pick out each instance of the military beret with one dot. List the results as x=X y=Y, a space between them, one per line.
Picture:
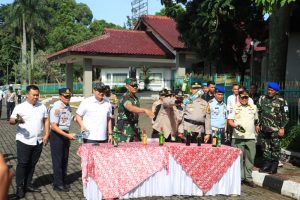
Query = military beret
x=131 y=81
x=274 y=86
x=64 y=91
x=100 y=87
x=196 y=85
x=219 y=89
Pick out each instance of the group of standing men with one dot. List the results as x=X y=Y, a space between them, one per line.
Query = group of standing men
x=246 y=117
x=94 y=116
x=202 y=113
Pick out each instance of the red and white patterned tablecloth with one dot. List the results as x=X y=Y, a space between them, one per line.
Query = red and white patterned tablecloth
x=117 y=171
x=206 y=164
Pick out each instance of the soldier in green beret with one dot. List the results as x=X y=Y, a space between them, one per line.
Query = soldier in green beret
x=129 y=109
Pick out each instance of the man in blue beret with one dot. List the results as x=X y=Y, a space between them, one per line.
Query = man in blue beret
x=273 y=117
x=218 y=113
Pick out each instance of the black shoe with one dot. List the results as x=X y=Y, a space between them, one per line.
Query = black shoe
x=273 y=168
x=20 y=192
x=266 y=167
x=67 y=186
x=33 y=189
x=250 y=184
x=60 y=188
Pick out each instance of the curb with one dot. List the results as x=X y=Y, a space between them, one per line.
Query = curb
x=276 y=184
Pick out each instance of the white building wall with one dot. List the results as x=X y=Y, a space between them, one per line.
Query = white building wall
x=157 y=85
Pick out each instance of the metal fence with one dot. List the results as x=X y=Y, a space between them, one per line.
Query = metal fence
x=290 y=91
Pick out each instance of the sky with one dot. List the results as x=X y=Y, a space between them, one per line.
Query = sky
x=114 y=11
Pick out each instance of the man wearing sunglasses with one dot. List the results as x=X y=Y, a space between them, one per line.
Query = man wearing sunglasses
x=244 y=119
x=273 y=117
x=94 y=116
x=60 y=122
x=129 y=109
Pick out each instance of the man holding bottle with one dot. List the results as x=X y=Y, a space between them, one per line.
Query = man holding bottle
x=243 y=118
x=60 y=121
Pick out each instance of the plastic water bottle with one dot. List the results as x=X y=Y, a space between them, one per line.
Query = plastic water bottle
x=79 y=137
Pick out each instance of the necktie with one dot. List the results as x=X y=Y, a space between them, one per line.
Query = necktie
x=236 y=99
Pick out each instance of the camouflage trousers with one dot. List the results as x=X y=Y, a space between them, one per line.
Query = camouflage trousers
x=270 y=146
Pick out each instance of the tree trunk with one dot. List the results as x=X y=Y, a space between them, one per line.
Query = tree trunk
x=31 y=59
x=278 y=43
x=24 y=46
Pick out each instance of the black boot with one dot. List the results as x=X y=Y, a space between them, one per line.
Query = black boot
x=274 y=166
x=266 y=167
x=20 y=192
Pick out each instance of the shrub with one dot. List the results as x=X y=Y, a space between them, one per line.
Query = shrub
x=291 y=139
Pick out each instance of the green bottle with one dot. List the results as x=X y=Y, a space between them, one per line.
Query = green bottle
x=161 y=137
x=188 y=137
x=214 y=139
x=116 y=138
x=218 y=139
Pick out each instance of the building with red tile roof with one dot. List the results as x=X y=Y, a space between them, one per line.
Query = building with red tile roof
x=154 y=42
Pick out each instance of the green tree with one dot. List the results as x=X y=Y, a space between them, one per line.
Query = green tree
x=217 y=29
x=97 y=27
x=8 y=54
x=68 y=23
x=279 y=11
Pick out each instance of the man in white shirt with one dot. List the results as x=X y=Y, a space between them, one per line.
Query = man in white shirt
x=233 y=99
x=10 y=101
x=31 y=118
x=94 y=116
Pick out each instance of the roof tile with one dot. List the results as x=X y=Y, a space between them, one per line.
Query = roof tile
x=117 y=41
x=166 y=28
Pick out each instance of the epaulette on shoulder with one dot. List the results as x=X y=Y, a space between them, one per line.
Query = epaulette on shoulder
x=280 y=99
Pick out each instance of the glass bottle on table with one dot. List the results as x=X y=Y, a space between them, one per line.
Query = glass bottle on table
x=214 y=138
x=144 y=137
x=188 y=137
x=218 y=138
x=161 y=137
x=116 y=137
x=199 y=139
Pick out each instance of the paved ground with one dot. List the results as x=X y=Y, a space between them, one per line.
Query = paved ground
x=43 y=172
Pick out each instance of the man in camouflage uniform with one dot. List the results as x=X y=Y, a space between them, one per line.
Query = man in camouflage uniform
x=128 y=113
x=273 y=117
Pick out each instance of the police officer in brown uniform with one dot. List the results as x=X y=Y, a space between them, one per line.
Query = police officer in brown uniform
x=197 y=115
x=156 y=106
x=166 y=117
